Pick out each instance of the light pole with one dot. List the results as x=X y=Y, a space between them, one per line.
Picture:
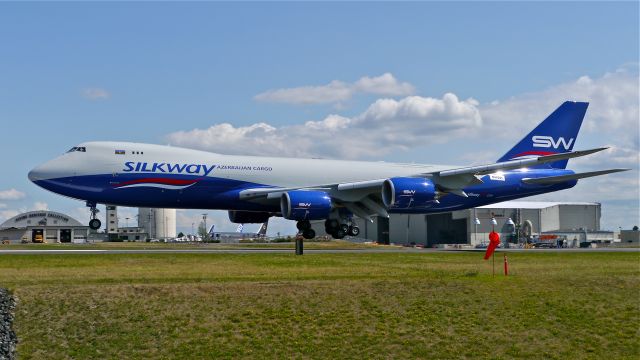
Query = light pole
x=475 y=234
x=127 y=221
x=206 y=232
x=408 y=224
x=513 y=229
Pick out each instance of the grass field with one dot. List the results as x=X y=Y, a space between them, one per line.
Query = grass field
x=382 y=305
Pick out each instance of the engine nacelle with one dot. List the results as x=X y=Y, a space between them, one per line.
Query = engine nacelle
x=408 y=192
x=248 y=217
x=305 y=205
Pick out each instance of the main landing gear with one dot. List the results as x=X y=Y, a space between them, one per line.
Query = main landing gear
x=94 y=223
x=340 y=229
x=304 y=226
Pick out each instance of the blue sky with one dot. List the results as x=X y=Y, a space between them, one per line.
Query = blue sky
x=73 y=72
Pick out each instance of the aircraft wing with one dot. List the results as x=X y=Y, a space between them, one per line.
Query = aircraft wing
x=363 y=197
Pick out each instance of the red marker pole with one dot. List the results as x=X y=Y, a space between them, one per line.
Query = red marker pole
x=506 y=266
x=494 y=241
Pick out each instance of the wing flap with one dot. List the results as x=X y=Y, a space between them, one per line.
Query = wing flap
x=563 y=178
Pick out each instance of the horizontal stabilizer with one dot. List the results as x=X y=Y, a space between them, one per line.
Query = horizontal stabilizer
x=563 y=178
x=515 y=164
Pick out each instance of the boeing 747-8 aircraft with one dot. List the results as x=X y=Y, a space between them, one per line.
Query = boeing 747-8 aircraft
x=253 y=188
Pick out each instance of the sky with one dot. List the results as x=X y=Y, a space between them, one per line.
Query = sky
x=441 y=83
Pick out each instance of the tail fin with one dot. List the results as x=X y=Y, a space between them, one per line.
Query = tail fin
x=263 y=229
x=556 y=134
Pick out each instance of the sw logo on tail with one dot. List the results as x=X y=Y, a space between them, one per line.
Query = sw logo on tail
x=548 y=142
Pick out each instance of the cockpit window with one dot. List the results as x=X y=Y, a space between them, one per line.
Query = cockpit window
x=78 y=148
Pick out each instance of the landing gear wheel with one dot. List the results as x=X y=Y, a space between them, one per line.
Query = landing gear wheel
x=344 y=228
x=354 y=231
x=339 y=234
x=331 y=226
x=309 y=234
x=95 y=224
x=303 y=225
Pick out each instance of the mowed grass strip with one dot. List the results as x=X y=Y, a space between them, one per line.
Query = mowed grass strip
x=393 y=305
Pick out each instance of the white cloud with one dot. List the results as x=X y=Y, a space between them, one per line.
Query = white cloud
x=613 y=108
x=39 y=205
x=8 y=214
x=11 y=194
x=2 y=206
x=338 y=91
x=335 y=91
x=385 y=85
x=387 y=125
x=95 y=93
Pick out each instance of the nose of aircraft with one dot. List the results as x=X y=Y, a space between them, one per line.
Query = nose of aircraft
x=51 y=169
x=36 y=174
x=61 y=167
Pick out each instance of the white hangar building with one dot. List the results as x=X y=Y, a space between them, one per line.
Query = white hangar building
x=579 y=221
x=43 y=226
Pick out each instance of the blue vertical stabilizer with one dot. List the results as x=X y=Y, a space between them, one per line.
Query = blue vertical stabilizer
x=556 y=134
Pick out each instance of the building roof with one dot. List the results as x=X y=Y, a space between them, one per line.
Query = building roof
x=40 y=218
x=532 y=204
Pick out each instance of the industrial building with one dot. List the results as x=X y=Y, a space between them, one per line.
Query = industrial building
x=630 y=237
x=515 y=221
x=134 y=233
x=43 y=226
x=158 y=223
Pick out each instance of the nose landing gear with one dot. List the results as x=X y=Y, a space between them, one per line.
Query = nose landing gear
x=94 y=223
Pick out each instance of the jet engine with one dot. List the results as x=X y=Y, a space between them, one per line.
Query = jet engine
x=248 y=217
x=408 y=192
x=305 y=205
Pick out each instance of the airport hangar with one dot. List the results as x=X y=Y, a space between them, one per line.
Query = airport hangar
x=578 y=222
x=49 y=226
x=54 y=227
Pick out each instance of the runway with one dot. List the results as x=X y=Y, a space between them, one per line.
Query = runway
x=288 y=251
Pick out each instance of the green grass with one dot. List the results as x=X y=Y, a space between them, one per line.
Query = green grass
x=382 y=305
